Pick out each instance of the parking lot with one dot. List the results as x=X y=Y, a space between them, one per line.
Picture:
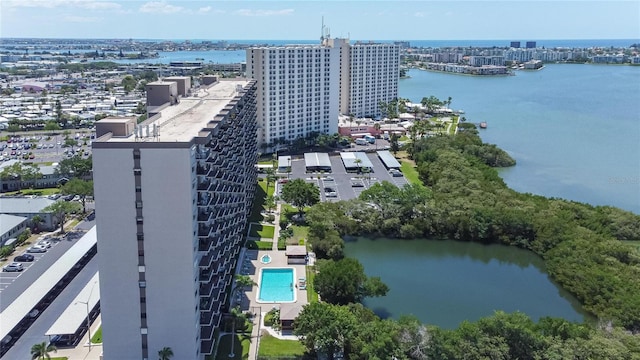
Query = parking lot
x=7 y=278
x=45 y=148
x=341 y=184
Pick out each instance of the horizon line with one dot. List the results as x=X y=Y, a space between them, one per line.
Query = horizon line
x=216 y=39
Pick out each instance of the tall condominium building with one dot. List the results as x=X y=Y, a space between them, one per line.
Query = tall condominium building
x=172 y=198
x=303 y=88
x=297 y=90
x=371 y=76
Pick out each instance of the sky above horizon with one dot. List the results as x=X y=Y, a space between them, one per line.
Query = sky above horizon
x=301 y=20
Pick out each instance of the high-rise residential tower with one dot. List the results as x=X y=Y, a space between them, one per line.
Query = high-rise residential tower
x=172 y=198
x=303 y=88
x=297 y=90
x=371 y=77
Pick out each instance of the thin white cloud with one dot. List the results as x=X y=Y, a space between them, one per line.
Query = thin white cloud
x=50 y=4
x=250 y=12
x=81 y=19
x=160 y=7
x=204 y=10
x=419 y=14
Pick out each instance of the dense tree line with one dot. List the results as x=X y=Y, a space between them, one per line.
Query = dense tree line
x=464 y=199
x=355 y=332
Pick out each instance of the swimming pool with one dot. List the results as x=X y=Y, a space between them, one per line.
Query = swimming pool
x=265 y=259
x=277 y=285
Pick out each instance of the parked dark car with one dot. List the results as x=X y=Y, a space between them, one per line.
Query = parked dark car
x=24 y=258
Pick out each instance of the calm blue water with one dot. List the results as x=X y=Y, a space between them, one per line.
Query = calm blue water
x=276 y=285
x=573 y=129
x=581 y=43
x=444 y=282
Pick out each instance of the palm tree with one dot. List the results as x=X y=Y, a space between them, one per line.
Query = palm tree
x=41 y=351
x=358 y=162
x=235 y=314
x=165 y=354
x=271 y=177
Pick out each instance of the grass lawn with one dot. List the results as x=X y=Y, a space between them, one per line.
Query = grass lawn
x=262 y=231
x=259 y=245
x=410 y=172
x=270 y=346
x=38 y=192
x=240 y=348
x=258 y=201
x=299 y=233
x=312 y=295
x=97 y=337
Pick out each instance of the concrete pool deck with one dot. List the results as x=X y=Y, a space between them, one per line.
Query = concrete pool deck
x=248 y=297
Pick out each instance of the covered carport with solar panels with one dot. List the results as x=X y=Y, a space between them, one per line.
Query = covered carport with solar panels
x=316 y=162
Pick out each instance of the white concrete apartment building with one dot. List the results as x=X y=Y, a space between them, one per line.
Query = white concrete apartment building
x=371 y=77
x=303 y=88
x=298 y=90
x=172 y=199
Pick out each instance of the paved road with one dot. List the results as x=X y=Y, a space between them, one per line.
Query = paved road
x=14 y=284
x=35 y=334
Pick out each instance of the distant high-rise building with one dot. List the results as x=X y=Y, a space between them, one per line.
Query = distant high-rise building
x=298 y=90
x=531 y=44
x=303 y=88
x=370 y=77
x=173 y=195
x=515 y=44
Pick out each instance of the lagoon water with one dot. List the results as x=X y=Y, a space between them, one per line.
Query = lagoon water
x=575 y=133
x=444 y=282
x=574 y=130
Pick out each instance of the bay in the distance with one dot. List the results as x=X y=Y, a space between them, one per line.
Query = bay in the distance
x=572 y=128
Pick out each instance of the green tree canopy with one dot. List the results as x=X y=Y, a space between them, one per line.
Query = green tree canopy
x=75 y=166
x=129 y=83
x=61 y=209
x=344 y=281
x=300 y=194
x=23 y=172
x=80 y=187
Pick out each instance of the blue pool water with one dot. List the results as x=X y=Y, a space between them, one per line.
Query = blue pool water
x=276 y=285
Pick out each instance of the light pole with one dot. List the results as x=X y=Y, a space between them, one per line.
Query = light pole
x=86 y=303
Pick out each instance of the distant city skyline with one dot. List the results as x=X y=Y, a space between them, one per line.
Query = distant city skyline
x=301 y=20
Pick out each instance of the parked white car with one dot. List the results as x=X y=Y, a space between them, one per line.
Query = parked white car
x=37 y=249
x=13 y=267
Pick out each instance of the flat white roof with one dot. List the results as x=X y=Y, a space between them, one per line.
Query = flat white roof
x=21 y=306
x=284 y=161
x=76 y=313
x=317 y=160
x=388 y=159
x=183 y=121
x=349 y=160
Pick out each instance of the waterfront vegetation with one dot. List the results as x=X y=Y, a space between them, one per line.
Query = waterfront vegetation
x=585 y=248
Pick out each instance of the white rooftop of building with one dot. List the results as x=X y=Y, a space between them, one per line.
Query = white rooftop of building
x=24 y=205
x=76 y=313
x=8 y=222
x=14 y=312
x=183 y=121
